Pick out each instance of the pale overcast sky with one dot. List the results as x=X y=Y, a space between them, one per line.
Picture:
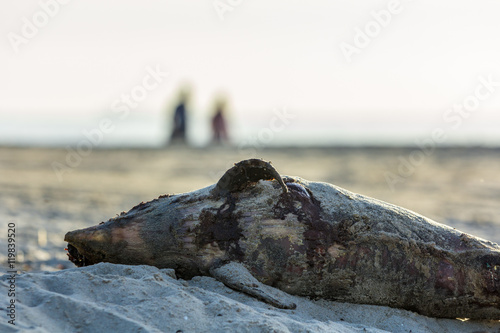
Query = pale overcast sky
x=422 y=58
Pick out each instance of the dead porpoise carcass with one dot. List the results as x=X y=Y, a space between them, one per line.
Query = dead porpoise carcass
x=258 y=232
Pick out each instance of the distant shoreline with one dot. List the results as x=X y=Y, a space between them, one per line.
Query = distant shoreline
x=266 y=148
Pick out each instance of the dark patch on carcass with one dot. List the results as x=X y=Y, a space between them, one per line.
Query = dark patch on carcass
x=490 y=266
x=298 y=201
x=319 y=234
x=244 y=174
x=221 y=226
x=299 y=189
x=449 y=279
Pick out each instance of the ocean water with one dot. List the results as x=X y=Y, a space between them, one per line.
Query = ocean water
x=149 y=130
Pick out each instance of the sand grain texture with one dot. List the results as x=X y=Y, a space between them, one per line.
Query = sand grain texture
x=119 y=298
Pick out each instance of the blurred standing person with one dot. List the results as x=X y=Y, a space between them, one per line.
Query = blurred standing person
x=219 y=128
x=180 y=119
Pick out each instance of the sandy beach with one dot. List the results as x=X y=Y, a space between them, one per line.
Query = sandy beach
x=47 y=192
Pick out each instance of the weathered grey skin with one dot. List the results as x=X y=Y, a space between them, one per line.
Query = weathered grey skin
x=304 y=238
